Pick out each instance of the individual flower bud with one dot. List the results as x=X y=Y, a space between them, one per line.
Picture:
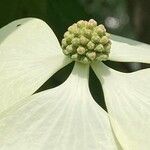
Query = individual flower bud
x=87 y=33
x=64 y=43
x=83 y=40
x=81 y=24
x=108 y=35
x=99 y=31
x=91 y=24
x=90 y=45
x=74 y=56
x=95 y=39
x=66 y=34
x=102 y=57
x=76 y=31
x=65 y=52
x=69 y=38
x=85 y=60
x=81 y=50
x=75 y=42
x=91 y=55
x=104 y=40
x=69 y=48
x=102 y=27
x=107 y=47
x=99 y=48
x=71 y=28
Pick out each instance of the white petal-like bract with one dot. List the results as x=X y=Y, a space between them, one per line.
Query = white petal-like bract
x=127 y=50
x=62 y=118
x=127 y=97
x=29 y=54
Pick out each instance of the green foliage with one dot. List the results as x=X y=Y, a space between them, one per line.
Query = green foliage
x=61 y=14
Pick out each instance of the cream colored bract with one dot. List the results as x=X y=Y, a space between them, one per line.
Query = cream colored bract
x=67 y=117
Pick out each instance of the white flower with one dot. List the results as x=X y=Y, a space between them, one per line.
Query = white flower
x=67 y=117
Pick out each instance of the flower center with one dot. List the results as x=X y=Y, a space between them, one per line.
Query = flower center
x=85 y=42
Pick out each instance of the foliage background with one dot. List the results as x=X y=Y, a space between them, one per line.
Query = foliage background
x=129 y=18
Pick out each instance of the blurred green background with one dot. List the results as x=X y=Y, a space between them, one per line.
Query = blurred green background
x=129 y=18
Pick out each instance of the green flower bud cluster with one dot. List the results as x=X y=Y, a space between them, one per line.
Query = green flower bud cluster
x=85 y=42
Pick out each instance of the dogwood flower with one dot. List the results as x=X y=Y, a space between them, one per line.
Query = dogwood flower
x=67 y=117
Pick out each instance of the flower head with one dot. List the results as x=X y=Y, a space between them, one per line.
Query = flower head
x=86 y=42
x=67 y=117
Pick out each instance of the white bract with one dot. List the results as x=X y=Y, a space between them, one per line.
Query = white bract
x=67 y=117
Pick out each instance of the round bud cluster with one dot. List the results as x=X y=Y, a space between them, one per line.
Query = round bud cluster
x=85 y=42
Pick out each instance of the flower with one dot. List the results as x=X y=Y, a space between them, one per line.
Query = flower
x=67 y=117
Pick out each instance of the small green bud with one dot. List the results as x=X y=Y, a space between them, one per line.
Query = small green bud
x=64 y=43
x=85 y=60
x=91 y=55
x=102 y=27
x=99 y=31
x=75 y=42
x=65 y=52
x=95 y=39
x=99 y=48
x=83 y=40
x=107 y=47
x=87 y=33
x=74 y=56
x=69 y=38
x=91 y=24
x=90 y=45
x=104 y=40
x=71 y=28
x=108 y=35
x=69 y=48
x=81 y=50
x=76 y=32
x=102 y=57
x=81 y=24
x=66 y=34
